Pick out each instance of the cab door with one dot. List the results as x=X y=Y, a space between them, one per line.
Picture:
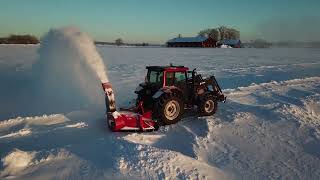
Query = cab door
x=180 y=81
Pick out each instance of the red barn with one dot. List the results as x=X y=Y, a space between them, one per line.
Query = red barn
x=199 y=41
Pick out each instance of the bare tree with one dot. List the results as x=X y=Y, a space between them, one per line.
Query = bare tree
x=204 y=32
x=221 y=33
x=119 y=42
x=228 y=33
x=233 y=33
x=213 y=33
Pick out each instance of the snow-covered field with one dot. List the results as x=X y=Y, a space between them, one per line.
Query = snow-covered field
x=269 y=128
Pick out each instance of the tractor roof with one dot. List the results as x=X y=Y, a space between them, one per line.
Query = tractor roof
x=167 y=68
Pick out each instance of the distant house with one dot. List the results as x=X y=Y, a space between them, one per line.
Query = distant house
x=198 y=41
x=235 y=43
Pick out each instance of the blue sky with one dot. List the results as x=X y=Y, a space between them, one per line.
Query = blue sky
x=156 y=21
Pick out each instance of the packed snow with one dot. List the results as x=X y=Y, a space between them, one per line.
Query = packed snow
x=51 y=128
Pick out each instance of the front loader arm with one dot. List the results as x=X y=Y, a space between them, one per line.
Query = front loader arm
x=216 y=88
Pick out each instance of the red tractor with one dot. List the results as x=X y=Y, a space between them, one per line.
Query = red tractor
x=163 y=97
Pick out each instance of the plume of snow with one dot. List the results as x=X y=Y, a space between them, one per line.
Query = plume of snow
x=70 y=70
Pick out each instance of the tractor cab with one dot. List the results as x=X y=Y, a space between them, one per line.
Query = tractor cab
x=166 y=75
x=162 y=77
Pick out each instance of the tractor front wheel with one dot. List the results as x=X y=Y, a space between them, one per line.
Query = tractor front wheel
x=207 y=106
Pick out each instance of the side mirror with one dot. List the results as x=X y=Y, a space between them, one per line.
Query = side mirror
x=194 y=71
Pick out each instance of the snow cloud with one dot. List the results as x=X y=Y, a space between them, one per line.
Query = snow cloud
x=70 y=69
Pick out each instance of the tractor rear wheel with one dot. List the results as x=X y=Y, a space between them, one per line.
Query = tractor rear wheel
x=207 y=106
x=169 y=109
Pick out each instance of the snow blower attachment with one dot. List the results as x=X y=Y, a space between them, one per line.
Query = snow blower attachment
x=163 y=97
x=129 y=119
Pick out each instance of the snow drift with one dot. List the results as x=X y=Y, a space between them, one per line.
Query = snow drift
x=19 y=162
x=16 y=161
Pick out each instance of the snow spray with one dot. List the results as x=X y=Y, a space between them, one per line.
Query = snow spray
x=70 y=68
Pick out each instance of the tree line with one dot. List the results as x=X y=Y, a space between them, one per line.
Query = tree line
x=120 y=42
x=221 y=33
x=19 y=39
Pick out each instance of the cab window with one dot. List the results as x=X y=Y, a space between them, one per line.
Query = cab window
x=180 y=77
x=155 y=77
x=175 y=78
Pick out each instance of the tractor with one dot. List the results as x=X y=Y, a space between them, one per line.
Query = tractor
x=164 y=96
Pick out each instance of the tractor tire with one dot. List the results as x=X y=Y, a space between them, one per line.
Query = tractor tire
x=207 y=105
x=169 y=109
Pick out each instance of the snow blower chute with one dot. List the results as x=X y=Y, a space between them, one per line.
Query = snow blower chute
x=163 y=97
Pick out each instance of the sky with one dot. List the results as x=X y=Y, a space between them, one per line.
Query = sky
x=156 y=21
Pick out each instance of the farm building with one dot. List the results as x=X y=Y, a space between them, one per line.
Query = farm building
x=198 y=41
x=235 y=43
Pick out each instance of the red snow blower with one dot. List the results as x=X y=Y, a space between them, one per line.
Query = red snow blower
x=163 y=97
x=127 y=119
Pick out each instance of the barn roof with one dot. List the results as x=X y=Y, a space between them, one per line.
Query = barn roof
x=231 y=41
x=188 y=39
